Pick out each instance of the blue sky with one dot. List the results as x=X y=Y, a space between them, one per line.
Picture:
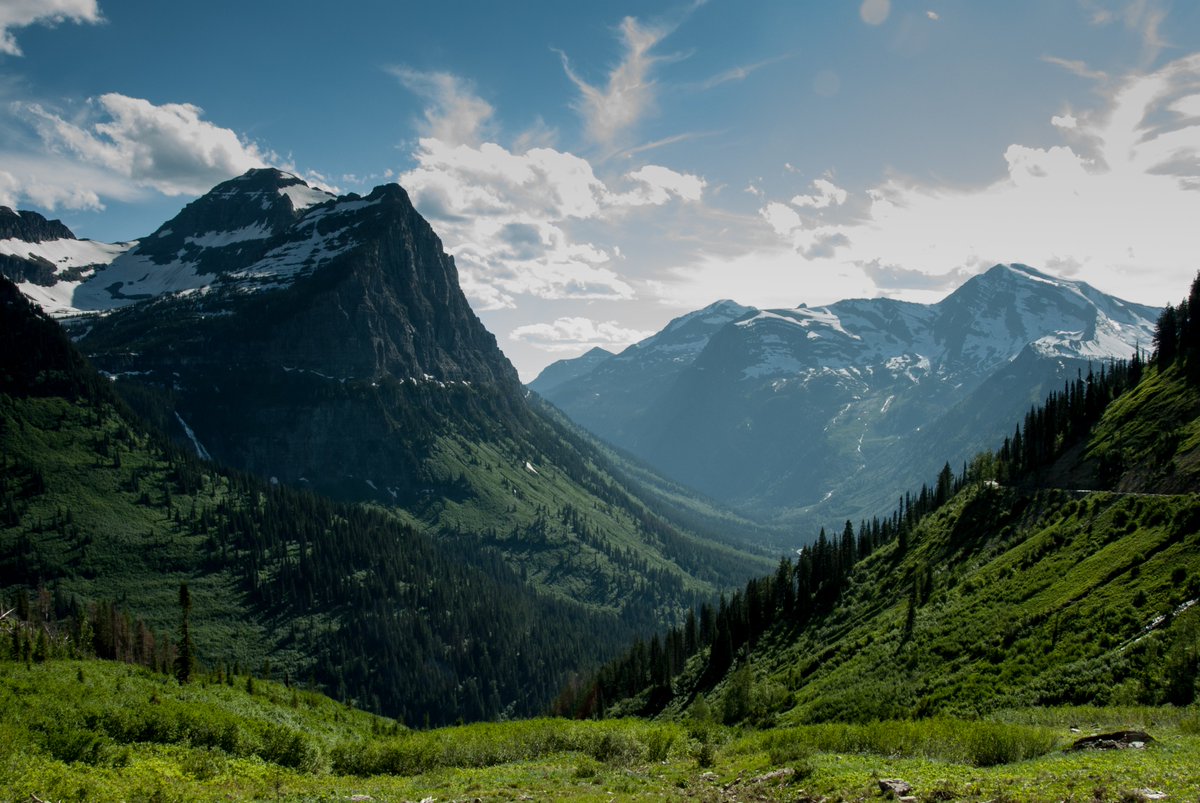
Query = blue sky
x=598 y=168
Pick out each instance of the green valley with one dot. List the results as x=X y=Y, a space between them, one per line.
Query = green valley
x=423 y=618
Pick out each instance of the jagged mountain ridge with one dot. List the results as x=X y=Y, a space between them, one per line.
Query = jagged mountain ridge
x=787 y=410
x=31 y=227
x=562 y=371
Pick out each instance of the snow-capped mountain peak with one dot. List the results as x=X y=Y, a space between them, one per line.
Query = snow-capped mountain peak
x=258 y=231
x=686 y=336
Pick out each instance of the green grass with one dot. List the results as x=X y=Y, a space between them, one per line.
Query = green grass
x=100 y=731
x=1152 y=434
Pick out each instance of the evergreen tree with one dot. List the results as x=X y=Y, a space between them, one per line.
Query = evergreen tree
x=185 y=660
x=1166 y=337
x=910 y=619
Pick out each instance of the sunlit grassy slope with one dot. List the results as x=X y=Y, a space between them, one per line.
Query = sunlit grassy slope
x=1035 y=592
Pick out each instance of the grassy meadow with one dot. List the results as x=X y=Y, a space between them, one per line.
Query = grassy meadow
x=100 y=731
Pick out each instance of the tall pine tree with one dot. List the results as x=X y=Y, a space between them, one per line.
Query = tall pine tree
x=185 y=660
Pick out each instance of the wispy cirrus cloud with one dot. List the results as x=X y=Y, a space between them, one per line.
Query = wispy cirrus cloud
x=1077 y=67
x=22 y=13
x=455 y=113
x=612 y=108
x=1144 y=18
x=738 y=73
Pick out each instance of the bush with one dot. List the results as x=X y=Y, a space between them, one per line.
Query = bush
x=203 y=764
x=615 y=747
x=989 y=744
x=586 y=768
x=290 y=748
x=788 y=747
x=658 y=744
x=705 y=755
x=403 y=755
x=72 y=744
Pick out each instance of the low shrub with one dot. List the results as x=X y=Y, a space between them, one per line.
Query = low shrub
x=980 y=743
x=72 y=744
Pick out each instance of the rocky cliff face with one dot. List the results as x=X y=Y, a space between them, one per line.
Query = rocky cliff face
x=31 y=227
x=324 y=351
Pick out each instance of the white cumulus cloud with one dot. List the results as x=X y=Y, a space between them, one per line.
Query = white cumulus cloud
x=21 y=13
x=827 y=194
x=508 y=218
x=658 y=184
x=169 y=148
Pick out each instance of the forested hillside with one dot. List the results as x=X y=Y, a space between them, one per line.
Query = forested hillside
x=101 y=521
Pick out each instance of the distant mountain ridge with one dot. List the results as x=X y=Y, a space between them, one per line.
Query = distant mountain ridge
x=786 y=410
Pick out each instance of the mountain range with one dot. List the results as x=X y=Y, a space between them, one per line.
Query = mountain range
x=816 y=415
x=298 y=346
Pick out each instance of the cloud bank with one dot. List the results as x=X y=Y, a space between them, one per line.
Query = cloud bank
x=1116 y=200
x=575 y=334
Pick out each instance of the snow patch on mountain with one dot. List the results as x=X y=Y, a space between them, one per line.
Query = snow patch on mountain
x=133 y=277
x=820 y=318
x=303 y=196
x=220 y=239
x=340 y=208
x=65 y=254
x=56 y=300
